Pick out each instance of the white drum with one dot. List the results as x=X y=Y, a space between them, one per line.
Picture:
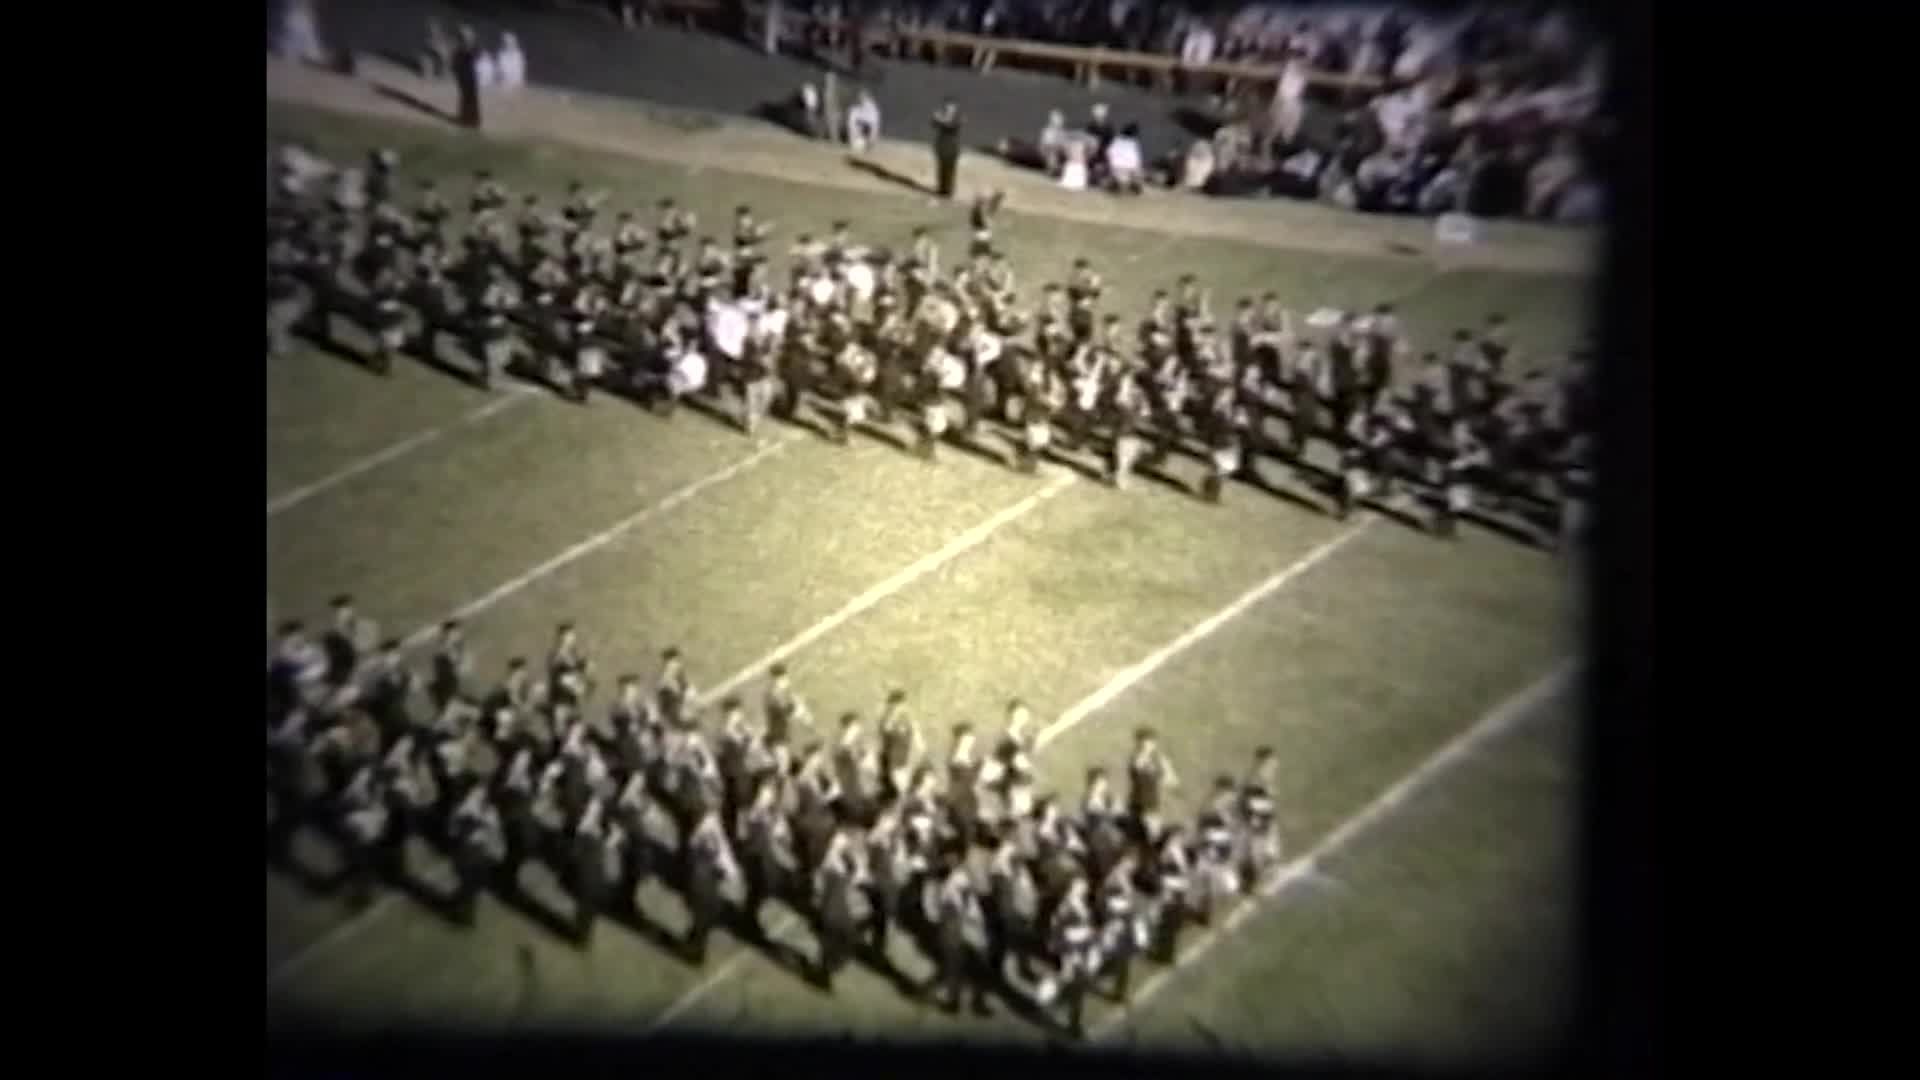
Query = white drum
x=860 y=281
x=688 y=374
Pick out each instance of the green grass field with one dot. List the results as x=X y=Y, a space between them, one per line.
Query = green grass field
x=1439 y=929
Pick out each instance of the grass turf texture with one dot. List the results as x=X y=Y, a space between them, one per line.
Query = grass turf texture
x=1446 y=931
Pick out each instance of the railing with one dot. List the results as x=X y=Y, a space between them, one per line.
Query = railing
x=1085 y=63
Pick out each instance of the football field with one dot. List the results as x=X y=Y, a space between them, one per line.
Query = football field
x=1419 y=692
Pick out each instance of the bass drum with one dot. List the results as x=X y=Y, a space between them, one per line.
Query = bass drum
x=688 y=373
x=950 y=370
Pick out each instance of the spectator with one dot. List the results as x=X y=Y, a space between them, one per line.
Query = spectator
x=1125 y=168
x=1551 y=176
x=1073 y=173
x=810 y=123
x=437 y=59
x=1197 y=47
x=1289 y=99
x=863 y=123
x=1299 y=174
x=1445 y=190
x=1100 y=127
x=299 y=36
x=770 y=29
x=466 y=77
x=1197 y=168
x=991 y=24
x=1583 y=203
x=830 y=113
x=1230 y=144
x=511 y=62
x=1053 y=142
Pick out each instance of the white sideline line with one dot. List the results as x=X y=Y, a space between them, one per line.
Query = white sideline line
x=291 y=499
x=346 y=931
x=1504 y=716
x=1072 y=716
x=970 y=539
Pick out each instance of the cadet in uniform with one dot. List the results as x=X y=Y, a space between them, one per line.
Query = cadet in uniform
x=939 y=373
x=675 y=224
x=983 y=351
x=710 y=867
x=1075 y=950
x=1042 y=393
x=1225 y=421
x=783 y=708
x=856 y=369
x=1150 y=775
x=900 y=745
x=963 y=786
x=364 y=821
x=480 y=847
x=596 y=843
x=957 y=911
x=569 y=672
x=1010 y=900
x=767 y=842
x=493 y=331
x=986 y=207
x=1465 y=458
x=1258 y=818
x=1384 y=346
x=432 y=296
x=756 y=375
x=286 y=302
x=1173 y=888
x=836 y=882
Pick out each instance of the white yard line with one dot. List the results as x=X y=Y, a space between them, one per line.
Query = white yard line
x=966 y=541
x=291 y=499
x=1124 y=681
x=606 y=536
x=1097 y=700
x=346 y=931
x=1306 y=868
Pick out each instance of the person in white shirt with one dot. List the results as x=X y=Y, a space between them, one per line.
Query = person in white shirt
x=1053 y=142
x=511 y=63
x=486 y=70
x=1073 y=171
x=810 y=111
x=863 y=123
x=1125 y=169
x=727 y=327
x=1196 y=50
x=299 y=36
x=1551 y=176
x=1289 y=99
x=1199 y=165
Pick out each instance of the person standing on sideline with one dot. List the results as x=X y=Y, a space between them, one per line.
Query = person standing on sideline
x=466 y=75
x=946 y=145
x=831 y=110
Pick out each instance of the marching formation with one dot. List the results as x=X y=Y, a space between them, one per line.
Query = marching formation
x=858 y=826
x=861 y=336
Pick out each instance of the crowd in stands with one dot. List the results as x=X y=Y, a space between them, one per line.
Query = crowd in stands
x=1493 y=110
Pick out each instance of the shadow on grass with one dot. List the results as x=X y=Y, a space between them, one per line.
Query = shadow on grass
x=786 y=115
x=874 y=168
x=969 y=444
x=414 y=103
x=428 y=353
